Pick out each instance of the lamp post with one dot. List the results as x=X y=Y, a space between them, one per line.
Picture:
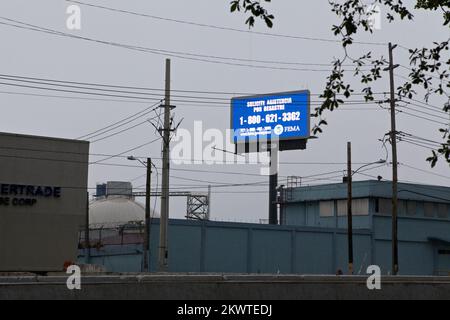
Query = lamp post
x=350 y=175
x=146 y=249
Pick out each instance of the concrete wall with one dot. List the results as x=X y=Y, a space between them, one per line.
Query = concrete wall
x=218 y=287
x=42 y=235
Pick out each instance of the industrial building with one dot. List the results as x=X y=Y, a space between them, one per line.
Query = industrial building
x=312 y=238
x=43 y=199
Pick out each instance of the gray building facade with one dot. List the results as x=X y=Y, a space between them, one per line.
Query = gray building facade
x=43 y=200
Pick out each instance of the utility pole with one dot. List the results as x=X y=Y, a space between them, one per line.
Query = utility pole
x=209 y=203
x=147 y=217
x=273 y=184
x=393 y=135
x=164 y=221
x=350 y=208
x=87 y=236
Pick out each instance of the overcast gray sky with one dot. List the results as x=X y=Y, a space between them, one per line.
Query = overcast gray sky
x=32 y=54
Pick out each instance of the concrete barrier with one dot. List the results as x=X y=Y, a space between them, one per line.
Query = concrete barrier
x=222 y=287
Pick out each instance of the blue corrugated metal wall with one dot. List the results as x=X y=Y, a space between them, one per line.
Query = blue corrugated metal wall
x=241 y=248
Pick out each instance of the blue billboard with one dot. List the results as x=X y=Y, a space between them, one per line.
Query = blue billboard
x=284 y=116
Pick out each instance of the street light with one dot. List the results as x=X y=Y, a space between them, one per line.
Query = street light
x=350 y=175
x=146 y=248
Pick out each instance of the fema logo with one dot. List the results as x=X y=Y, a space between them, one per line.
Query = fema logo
x=278 y=130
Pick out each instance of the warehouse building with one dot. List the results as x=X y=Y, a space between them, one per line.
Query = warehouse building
x=312 y=238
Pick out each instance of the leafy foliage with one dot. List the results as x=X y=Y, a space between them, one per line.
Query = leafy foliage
x=256 y=10
x=426 y=64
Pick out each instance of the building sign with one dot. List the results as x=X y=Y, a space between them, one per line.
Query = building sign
x=285 y=116
x=26 y=195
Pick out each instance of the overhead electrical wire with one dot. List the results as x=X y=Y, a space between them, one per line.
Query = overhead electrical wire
x=174 y=159
x=115 y=86
x=411 y=136
x=138 y=114
x=120 y=132
x=410 y=69
x=414 y=109
x=425 y=104
x=192 y=99
x=423 y=118
x=16 y=93
x=424 y=171
x=181 y=55
x=166 y=53
x=440 y=112
x=428 y=147
x=127 y=151
x=221 y=27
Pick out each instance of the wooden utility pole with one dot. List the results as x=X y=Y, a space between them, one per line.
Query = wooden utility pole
x=393 y=135
x=164 y=221
x=350 y=208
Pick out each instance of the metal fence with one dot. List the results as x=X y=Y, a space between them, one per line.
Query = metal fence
x=104 y=235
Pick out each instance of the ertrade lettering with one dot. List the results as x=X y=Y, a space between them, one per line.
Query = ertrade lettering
x=26 y=195
x=29 y=191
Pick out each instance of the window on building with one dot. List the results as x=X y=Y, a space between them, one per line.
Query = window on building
x=411 y=208
x=442 y=211
x=326 y=208
x=402 y=207
x=360 y=207
x=429 y=209
x=385 y=207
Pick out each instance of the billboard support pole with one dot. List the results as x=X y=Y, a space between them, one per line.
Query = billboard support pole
x=273 y=184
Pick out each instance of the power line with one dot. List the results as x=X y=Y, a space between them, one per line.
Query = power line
x=220 y=27
x=418 y=144
x=425 y=105
x=70 y=97
x=92 y=84
x=140 y=113
x=174 y=159
x=73 y=91
x=423 y=118
x=425 y=171
x=425 y=113
x=193 y=99
x=410 y=69
x=425 y=195
x=166 y=53
x=411 y=136
x=127 y=151
x=121 y=131
x=427 y=108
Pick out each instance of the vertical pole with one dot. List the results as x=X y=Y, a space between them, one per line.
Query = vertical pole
x=350 y=208
x=87 y=235
x=273 y=183
x=146 y=251
x=395 y=263
x=209 y=203
x=164 y=221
